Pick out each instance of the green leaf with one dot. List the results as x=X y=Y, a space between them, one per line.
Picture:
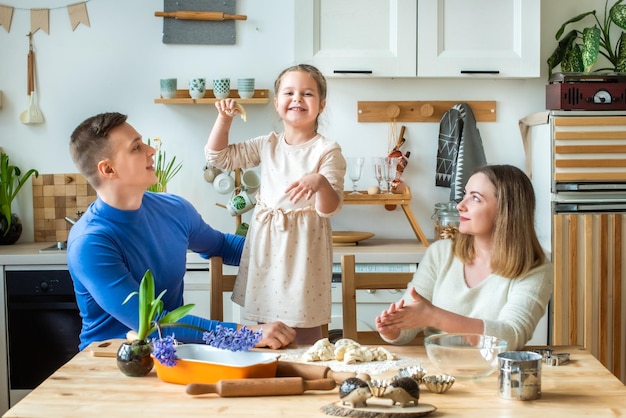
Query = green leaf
x=618 y=14
x=591 y=46
x=572 y=62
x=176 y=314
x=621 y=54
x=573 y=20
x=559 y=53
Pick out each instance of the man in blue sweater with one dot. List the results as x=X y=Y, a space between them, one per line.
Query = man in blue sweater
x=128 y=230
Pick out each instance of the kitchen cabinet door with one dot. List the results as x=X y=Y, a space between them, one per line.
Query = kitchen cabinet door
x=486 y=38
x=357 y=37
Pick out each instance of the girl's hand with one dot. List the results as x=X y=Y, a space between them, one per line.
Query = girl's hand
x=305 y=188
x=227 y=108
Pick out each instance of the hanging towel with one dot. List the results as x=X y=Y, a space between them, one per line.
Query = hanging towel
x=460 y=150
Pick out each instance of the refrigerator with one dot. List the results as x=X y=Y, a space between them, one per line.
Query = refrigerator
x=579 y=174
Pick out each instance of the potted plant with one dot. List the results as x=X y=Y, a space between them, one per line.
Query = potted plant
x=578 y=51
x=165 y=170
x=10 y=185
x=135 y=356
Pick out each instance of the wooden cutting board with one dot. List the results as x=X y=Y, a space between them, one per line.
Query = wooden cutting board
x=378 y=408
x=106 y=348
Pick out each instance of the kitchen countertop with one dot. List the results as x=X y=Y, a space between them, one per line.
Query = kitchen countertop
x=90 y=386
x=368 y=251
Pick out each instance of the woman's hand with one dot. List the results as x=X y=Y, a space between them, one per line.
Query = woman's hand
x=401 y=315
x=386 y=329
x=275 y=335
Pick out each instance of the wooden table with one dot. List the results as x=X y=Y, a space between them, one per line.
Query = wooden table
x=93 y=386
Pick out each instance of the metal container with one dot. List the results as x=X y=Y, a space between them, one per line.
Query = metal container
x=520 y=375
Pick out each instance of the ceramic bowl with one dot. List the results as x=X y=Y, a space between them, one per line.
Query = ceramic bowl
x=199 y=363
x=469 y=356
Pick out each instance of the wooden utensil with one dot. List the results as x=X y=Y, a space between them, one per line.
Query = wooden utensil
x=271 y=386
x=310 y=371
x=194 y=15
x=31 y=114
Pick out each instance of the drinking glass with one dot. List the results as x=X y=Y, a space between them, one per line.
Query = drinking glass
x=379 y=165
x=355 y=169
x=391 y=167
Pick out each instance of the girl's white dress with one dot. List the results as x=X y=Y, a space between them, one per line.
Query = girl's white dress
x=286 y=266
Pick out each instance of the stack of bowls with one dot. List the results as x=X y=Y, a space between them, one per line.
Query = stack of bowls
x=245 y=87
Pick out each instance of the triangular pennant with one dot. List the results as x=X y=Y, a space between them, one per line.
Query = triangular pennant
x=40 y=19
x=6 y=14
x=78 y=14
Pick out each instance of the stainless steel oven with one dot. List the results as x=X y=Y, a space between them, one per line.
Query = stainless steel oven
x=43 y=326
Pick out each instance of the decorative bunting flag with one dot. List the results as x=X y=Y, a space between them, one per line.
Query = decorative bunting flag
x=40 y=19
x=78 y=14
x=6 y=14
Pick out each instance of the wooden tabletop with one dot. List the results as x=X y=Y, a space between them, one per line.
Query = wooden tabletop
x=93 y=386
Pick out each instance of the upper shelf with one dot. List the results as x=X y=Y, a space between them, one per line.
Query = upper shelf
x=182 y=97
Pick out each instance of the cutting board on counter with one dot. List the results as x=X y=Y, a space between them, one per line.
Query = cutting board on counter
x=56 y=196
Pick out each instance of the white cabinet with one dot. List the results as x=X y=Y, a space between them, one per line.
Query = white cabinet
x=357 y=37
x=490 y=38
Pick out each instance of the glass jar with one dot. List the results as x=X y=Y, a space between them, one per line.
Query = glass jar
x=447 y=220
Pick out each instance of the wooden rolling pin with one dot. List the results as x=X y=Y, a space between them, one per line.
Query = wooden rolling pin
x=269 y=386
x=310 y=371
x=193 y=15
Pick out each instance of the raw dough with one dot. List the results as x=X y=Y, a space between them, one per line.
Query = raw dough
x=346 y=350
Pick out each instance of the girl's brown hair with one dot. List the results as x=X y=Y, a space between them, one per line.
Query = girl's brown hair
x=516 y=248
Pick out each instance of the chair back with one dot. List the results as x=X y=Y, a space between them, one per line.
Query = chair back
x=351 y=281
x=220 y=283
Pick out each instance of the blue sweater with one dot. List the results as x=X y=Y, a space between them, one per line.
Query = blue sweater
x=109 y=250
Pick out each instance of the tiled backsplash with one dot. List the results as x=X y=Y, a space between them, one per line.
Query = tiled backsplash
x=56 y=196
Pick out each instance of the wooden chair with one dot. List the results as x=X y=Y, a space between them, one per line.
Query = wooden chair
x=351 y=281
x=221 y=283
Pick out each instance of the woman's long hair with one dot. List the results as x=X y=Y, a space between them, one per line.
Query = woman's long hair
x=516 y=248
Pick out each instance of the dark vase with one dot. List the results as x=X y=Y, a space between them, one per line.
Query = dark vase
x=15 y=230
x=133 y=358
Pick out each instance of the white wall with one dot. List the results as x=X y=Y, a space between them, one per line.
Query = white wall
x=115 y=65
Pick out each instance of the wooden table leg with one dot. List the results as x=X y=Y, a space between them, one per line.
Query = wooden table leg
x=416 y=227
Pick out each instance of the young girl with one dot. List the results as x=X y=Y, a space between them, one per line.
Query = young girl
x=286 y=265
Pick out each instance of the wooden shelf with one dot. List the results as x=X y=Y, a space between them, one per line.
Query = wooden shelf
x=400 y=199
x=182 y=97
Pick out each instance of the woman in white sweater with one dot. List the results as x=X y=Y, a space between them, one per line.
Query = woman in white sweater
x=492 y=278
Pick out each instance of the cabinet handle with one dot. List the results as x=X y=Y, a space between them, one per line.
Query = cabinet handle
x=352 y=71
x=480 y=72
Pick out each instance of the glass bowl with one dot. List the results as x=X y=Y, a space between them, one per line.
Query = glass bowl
x=465 y=356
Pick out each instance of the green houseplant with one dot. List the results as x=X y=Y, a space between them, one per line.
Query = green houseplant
x=165 y=170
x=578 y=51
x=133 y=357
x=10 y=185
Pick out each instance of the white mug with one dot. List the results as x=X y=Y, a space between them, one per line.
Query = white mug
x=224 y=183
x=240 y=203
x=250 y=181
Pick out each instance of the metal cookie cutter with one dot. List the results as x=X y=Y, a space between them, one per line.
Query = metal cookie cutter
x=558 y=359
